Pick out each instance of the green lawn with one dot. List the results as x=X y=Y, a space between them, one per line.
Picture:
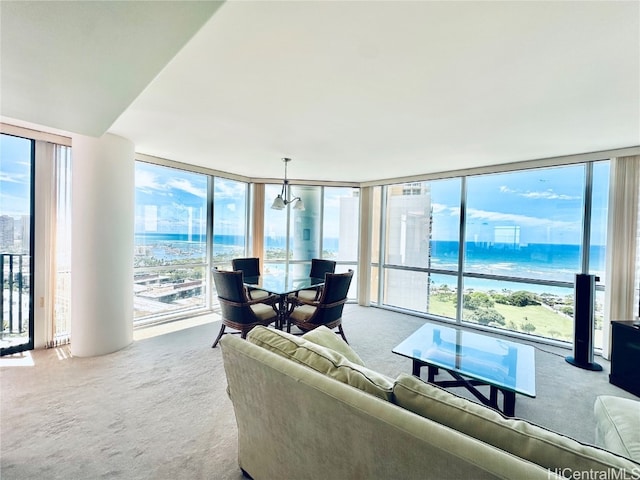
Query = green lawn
x=547 y=322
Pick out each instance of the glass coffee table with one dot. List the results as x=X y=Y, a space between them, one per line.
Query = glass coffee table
x=473 y=359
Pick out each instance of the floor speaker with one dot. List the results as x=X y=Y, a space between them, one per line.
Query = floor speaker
x=583 y=317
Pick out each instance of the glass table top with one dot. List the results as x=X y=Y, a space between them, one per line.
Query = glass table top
x=281 y=283
x=505 y=364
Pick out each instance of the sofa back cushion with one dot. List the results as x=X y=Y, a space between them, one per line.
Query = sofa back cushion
x=519 y=437
x=327 y=338
x=323 y=360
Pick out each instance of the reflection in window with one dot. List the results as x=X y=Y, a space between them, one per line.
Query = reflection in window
x=340 y=224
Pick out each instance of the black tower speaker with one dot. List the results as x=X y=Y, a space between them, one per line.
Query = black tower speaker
x=584 y=313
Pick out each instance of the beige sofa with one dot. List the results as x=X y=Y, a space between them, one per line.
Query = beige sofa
x=307 y=408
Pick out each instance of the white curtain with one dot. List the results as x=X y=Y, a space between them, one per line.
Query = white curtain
x=622 y=245
x=54 y=161
x=46 y=210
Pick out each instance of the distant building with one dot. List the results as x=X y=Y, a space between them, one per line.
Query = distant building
x=25 y=234
x=7 y=236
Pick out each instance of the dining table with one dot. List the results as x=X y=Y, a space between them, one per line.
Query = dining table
x=282 y=284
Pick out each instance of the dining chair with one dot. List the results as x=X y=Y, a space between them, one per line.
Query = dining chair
x=250 y=266
x=238 y=311
x=319 y=267
x=308 y=315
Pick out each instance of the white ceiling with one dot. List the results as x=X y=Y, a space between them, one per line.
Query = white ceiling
x=351 y=90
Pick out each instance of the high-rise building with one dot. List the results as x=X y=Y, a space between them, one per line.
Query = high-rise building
x=25 y=234
x=6 y=233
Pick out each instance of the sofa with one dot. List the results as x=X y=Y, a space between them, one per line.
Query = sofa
x=307 y=407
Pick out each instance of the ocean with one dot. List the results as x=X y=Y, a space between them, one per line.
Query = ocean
x=555 y=262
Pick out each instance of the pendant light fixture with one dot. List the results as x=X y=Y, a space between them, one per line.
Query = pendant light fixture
x=284 y=197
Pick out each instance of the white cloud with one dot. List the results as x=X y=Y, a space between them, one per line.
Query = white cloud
x=549 y=195
x=229 y=189
x=522 y=220
x=187 y=186
x=13 y=177
x=439 y=208
x=147 y=181
x=546 y=194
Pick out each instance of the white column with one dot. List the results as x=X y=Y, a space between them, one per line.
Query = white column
x=102 y=245
x=364 y=257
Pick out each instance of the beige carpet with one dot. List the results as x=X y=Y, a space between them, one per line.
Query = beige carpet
x=158 y=408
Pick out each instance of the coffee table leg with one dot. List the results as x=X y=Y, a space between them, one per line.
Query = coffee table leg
x=509 y=403
x=432 y=372
x=415 y=370
x=493 y=397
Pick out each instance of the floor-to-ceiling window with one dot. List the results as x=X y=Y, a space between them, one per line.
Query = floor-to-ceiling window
x=186 y=223
x=230 y=200
x=170 y=261
x=500 y=250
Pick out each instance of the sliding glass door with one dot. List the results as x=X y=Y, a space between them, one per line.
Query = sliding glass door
x=16 y=243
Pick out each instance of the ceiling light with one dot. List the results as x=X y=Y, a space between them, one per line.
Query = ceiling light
x=284 y=197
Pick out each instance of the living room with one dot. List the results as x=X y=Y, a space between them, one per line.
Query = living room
x=363 y=97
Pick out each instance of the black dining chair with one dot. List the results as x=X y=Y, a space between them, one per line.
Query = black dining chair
x=319 y=267
x=250 y=266
x=238 y=311
x=308 y=315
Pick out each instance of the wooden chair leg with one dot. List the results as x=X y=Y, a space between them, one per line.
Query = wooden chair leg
x=342 y=334
x=219 y=336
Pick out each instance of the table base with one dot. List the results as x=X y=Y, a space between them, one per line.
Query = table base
x=508 y=397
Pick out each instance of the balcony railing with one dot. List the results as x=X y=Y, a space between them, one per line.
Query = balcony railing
x=14 y=295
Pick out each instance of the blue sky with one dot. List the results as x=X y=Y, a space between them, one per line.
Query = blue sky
x=546 y=204
x=15 y=175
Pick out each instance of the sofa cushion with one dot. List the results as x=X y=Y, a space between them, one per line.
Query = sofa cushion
x=519 y=437
x=325 y=337
x=323 y=360
x=618 y=425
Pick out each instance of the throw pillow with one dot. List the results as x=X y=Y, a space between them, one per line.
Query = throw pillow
x=323 y=360
x=326 y=338
x=518 y=437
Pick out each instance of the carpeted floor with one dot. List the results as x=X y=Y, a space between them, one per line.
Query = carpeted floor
x=158 y=408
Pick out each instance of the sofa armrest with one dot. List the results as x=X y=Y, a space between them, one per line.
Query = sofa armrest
x=618 y=425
